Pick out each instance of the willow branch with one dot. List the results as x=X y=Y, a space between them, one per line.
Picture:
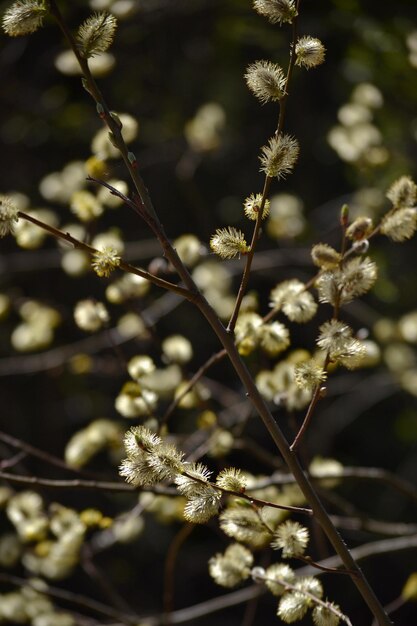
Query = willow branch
x=126 y=267
x=93 y=89
x=36 y=481
x=169 y=570
x=226 y=340
x=313 y=599
x=235 y=598
x=293 y=463
x=215 y=358
x=348 y=473
x=27 y=448
x=267 y=184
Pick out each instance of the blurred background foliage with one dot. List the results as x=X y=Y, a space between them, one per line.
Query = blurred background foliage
x=170 y=59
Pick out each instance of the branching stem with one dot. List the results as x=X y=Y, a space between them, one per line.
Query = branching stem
x=267 y=184
x=126 y=267
x=191 y=293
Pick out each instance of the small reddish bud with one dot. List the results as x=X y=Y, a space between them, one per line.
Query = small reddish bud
x=100 y=110
x=132 y=159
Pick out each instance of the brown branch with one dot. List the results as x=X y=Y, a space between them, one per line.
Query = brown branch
x=126 y=267
x=225 y=338
x=169 y=574
x=348 y=473
x=113 y=126
x=215 y=358
x=27 y=448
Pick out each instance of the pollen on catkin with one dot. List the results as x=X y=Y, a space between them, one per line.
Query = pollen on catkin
x=276 y=576
x=231 y=479
x=200 y=508
x=292 y=607
x=279 y=156
x=266 y=81
x=232 y=567
x=105 y=261
x=228 y=243
x=245 y=525
x=324 y=256
x=309 y=374
x=96 y=34
x=252 y=206
x=336 y=338
x=273 y=338
x=354 y=279
x=290 y=537
x=360 y=228
x=332 y=334
x=326 y=615
x=310 y=52
x=400 y=225
x=90 y=315
x=203 y=500
x=8 y=216
x=310 y=585
x=23 y=17
x=295 y=302
x=403 y=192
x=276 y=11
x=149 y=460
x=188 y=483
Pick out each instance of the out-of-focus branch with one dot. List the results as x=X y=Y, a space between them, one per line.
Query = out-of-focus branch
x=350 y=473
x=243 y=595
x=56 y=357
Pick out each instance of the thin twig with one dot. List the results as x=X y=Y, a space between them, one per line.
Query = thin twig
x=310 y=411
x=347 y=473
x=359 y=522
x=13 y=460
x=36 y=481
x=257 y=502
x=329 y=570
x=126 y=267
x=93 y=571
x=194 y=295
x=74 y=598
x=47 y=457
x=113 y=126
x=215 y=358
x=170 y=564
x=267 y=184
